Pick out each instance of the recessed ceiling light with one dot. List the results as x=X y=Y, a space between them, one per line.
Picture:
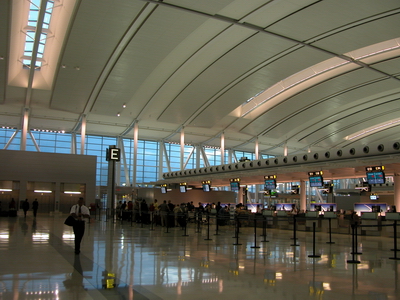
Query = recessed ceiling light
x=118 y=114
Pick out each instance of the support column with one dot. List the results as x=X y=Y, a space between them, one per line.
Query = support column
x=24 y=131
x=57 y=194
x=73 y=143
x=285 y=150
x=160 y=159
x=135 y=151
x=303 y=195
x=222 y=149
x=83 y=134
x=256 y=149
x=182 y=156
x=198 y=153
x=396 y=179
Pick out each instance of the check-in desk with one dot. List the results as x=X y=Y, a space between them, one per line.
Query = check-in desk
x=282 y=219
x=269 y=216
x=389 y=219
x=372 y=219
x=311 y=217
x=329 y=218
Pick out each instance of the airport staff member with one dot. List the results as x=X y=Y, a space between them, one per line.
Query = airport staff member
x=80 y=212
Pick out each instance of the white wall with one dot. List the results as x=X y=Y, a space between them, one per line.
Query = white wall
x=27 y=166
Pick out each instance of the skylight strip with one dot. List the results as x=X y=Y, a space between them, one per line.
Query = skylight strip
x=32 y=26
x=372 y=129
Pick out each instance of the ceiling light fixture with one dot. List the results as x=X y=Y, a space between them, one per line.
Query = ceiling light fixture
x=118 y=114
x=124 y=105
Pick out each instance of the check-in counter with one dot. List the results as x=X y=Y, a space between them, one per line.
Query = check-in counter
x=390 y=219
x=372 y=219
x=269 y=217
x=311 y=217
x=330 y=217
x=282 y=219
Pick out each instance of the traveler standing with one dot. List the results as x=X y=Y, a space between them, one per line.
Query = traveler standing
x=164 y=209
x=80 y=212
x=35 y=206
x=25 y=206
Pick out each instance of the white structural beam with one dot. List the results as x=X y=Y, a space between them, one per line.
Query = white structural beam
x=222 y=148
x=24 y=126
x=182 y=155
x=135 y=152
x=83 y=134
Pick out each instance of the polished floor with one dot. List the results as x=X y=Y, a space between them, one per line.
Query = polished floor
x=120 y=261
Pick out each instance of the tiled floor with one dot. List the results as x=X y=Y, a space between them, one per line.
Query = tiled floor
x=37 y=261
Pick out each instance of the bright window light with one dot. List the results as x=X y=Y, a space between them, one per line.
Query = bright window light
x=30 y=33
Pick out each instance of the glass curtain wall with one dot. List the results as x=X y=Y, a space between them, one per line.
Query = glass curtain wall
x=147 y=163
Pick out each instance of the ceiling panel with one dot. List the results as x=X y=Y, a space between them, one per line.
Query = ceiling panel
x=330 y=15
x=306 y=118
x=93 y=38
x=259 y=81
x=162 y=32
x=361 y=36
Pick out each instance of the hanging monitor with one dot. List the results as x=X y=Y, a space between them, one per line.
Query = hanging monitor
x=206 y=187
x=374 y=197
x=316 y=181
x=376 y=177
x=163 y=189
x=270 y=184
x=234 y=186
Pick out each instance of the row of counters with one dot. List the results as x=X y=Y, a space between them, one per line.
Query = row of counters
x=370 y=223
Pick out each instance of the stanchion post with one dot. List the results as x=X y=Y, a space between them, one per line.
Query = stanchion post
x=330 y=233
x=264 y=229
x=152 y=221
x=237 y=231
x=216 y=225
x=208 y=228
x=167 y=221
x=353 y=260
x=356 y=239
x=255 y=234
x=395 y=241
x=294 y=232
x=294 y=228
x=198 y=221
x=185 y=225
x=314 y=255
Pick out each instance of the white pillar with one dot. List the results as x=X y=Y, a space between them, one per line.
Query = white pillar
x=83 y=134
x=135 y=151
x=303 y=195
x=396 y=201
x=182 y=156
x=24 y=131
x=256 y=150
x=222 y=148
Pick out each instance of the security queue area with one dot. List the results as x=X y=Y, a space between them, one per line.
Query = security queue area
x=208 y=256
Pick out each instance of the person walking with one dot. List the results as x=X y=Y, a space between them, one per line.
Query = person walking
x=25 y=206
x=35 y=206
x=80 y=212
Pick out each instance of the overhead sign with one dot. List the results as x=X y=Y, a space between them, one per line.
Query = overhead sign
x=113 y=154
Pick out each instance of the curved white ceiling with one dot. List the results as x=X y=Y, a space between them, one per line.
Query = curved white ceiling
x=315 y=71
